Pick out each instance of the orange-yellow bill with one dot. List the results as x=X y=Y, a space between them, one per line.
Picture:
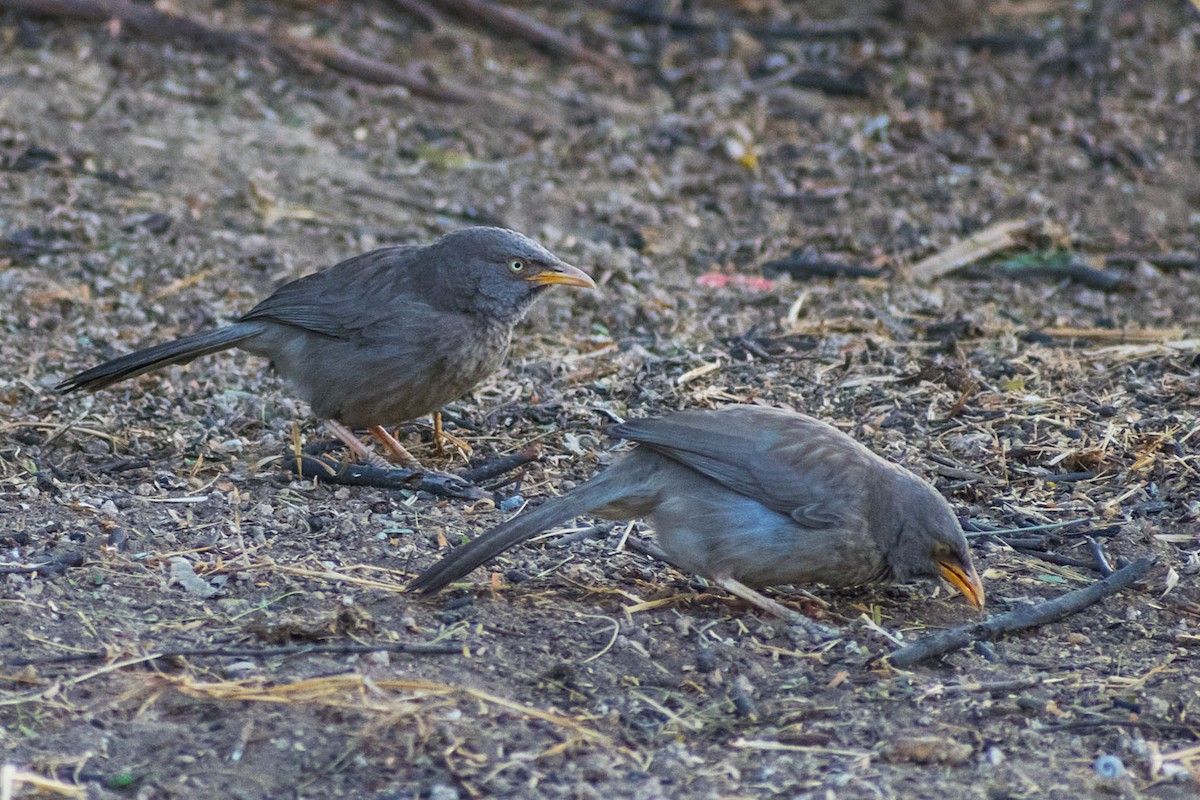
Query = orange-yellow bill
x=965 y=580
x=563 y=275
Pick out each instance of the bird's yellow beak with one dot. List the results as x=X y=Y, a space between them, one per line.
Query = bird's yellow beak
x=563 y=275
x=965 y=580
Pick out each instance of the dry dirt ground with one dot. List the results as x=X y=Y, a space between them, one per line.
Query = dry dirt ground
x=148 y=189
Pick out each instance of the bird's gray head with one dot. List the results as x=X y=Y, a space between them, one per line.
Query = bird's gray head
x=498 y=272
x=929 y=541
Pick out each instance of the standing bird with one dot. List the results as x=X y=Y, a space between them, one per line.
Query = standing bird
x=749 y=496
x=383 y=337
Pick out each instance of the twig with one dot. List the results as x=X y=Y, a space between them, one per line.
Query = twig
x=1160 y=260
x=140 y=18
x=1074 y=270
x=1160 y=727
x=645 y=13
x=356 y=65
x=993 y=687
x=1055 y=558
x=500 y=466
x=998 y=43
x=1022 y=617
x=256 y=652
x=148 y=21
x=830 y=82
x=419 y=8
x=1049 y=526
x=590 y=532
x=509 y=21
x=439 y=483
x=978 y=245
x=960 y=474
x=801 y=266
x=59 y=563
x=12 y=780
x=1101 y=558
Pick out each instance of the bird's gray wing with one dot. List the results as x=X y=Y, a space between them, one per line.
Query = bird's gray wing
x=339 y=301
x=792 y=464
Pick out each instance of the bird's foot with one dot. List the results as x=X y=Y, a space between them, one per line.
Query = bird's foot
x=440 y=435
x=396 y=451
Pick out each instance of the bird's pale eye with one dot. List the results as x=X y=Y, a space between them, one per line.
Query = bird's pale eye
x=517 y=266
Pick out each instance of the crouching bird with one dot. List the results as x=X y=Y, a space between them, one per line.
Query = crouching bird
x=749 y=497
x=384 y=337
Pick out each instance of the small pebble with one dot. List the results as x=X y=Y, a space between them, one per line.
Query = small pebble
x=378 y=658
x=440 y=791
x=510 y=504
x=1109 y=766
x=623 y=166
x=740 y=694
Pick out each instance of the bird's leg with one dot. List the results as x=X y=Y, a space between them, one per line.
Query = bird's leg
x=358 y=448
x=815 y=629
x=439 y=434
x=396 y=450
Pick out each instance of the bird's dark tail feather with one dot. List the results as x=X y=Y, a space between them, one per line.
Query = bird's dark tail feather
x=458 y=562
x=176 y=352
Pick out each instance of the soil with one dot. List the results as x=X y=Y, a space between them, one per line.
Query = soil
x=149 y=189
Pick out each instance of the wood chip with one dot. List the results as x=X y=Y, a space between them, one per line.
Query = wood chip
x=979 y=245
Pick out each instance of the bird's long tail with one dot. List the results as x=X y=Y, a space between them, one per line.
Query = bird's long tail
x=177 y=352
x=596 y=493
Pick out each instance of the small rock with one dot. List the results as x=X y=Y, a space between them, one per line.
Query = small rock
x=1109 y=766
x=623 y=166
x=240 y=670
x=182 y=573
x=378 y=658
x=440 y=791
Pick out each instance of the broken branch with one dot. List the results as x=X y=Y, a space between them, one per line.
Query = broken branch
x=152 y=23
x=801 y=265
x=1022 y=617
x=1073 y=269
x=502 y=465
x=509 y=21
x=256 y=652
x=439 y=483
x=646 y=14
x=977 y=246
